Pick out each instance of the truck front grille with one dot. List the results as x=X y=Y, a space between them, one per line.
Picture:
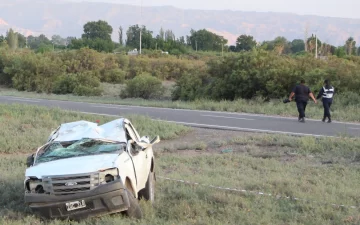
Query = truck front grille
x=70 y=184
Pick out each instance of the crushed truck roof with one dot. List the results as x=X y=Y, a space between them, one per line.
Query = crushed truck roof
x=112 y=131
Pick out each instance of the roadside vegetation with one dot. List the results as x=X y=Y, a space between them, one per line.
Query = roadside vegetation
x=200 y=70
x=324 y=170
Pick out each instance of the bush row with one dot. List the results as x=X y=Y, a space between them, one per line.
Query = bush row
x=264 y=74
x=247 y=75
x=81 y=71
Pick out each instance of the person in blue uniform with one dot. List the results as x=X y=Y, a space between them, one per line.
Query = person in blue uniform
x=327 y=93
x=302 y=94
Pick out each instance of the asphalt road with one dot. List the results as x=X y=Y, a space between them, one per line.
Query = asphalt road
x=205 y=119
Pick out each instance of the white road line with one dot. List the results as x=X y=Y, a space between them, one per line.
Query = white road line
x=107 y=107
x=223 y=127
x=354 y=128
x=247 y=129
x=100 y=114
x=23 y=100
x=227 y=117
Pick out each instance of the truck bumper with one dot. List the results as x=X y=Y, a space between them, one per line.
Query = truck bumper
x=106 y=199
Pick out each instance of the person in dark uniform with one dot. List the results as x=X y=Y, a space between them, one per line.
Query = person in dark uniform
x=302 y=93
x=327 y=93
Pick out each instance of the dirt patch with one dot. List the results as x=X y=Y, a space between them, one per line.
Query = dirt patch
x=209 y=141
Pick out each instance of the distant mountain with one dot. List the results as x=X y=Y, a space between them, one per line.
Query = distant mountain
x=67 y=19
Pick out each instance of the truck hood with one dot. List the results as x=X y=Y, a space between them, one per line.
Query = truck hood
x=76 y=165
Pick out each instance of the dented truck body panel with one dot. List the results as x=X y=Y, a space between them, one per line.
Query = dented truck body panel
x=86 y=170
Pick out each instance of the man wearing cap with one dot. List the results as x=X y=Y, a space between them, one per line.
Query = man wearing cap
x=327 y=94
x=302 y=93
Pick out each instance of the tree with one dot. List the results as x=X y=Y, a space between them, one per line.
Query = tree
x=133 y=37
x=97 y=30
x=68 y=40
x=340 y=52
x=12 y=39
x=21 y=40
x=169 y=35
x=232 y=48
x=58 y=40
x=297 y=45
x=350 y=46
x=97 y=36
x=35 y=42
x=281 y=45
x=2 y=38
x=162 y=34
x=245 y=43
x=326 y=49
x=311 y=43
x=182 y=40
x=121 y=41
x=205 y=40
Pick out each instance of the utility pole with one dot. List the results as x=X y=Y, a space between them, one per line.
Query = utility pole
x=316 y=46
x=222 y=46
x=26 y=41
x=306 y=36
x=222 y=49
x=140 y=23
x=196 y=45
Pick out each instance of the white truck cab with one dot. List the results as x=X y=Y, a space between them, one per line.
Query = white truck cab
x=86 y=170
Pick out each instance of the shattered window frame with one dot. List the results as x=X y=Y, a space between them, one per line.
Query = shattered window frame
x=62 y=150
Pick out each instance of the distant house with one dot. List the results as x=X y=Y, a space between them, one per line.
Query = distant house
x=133 y=52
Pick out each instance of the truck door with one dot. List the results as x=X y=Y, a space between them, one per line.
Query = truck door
x=138 y=158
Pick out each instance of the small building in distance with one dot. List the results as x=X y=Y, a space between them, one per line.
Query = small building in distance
x=133 y=52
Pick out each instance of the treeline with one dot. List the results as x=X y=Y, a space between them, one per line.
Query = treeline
x=97 y=35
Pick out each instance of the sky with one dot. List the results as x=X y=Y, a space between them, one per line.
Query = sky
x=331 y=8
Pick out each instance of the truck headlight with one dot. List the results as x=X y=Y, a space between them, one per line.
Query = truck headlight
x=34 y=186
x=109 y=175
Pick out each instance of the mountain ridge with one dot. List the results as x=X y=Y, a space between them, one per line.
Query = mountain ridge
x=67 y=19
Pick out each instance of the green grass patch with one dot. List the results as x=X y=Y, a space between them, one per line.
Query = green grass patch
x=178 y=203
x=25 y=127
x=325 y=170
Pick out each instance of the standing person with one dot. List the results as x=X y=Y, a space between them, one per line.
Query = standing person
x=302 y=93
x=327 y=93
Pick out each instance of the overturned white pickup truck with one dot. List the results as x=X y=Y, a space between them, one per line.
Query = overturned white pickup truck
x=86 y=170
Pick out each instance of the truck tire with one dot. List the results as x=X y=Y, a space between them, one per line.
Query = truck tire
x=148 y=193
x=134 y=210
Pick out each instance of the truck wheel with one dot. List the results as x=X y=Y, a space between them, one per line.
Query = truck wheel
x=134 y=210
x=148 y=193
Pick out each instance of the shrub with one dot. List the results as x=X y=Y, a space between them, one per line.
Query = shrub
x=114 y=76
x=82 y=84
x=188 y=88
x=143 y=86
x=65 y=84
x=88 y=84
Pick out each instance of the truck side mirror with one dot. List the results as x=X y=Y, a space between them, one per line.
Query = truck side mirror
x=155 y=140
x=30 y=160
